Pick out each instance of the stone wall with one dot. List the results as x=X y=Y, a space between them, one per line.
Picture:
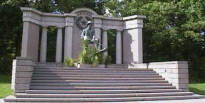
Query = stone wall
x=175 y=72
x=21 y=74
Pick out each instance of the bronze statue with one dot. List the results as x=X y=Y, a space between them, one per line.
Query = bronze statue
x=88 y=34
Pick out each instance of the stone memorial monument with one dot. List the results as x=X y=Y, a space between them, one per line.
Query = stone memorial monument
x=32 y=74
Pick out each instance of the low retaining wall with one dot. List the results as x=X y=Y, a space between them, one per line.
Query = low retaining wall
x=175 y=72
x=21 y=74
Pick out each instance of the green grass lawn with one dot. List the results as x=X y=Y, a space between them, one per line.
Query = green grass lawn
x=198 y=88
x=5 y=86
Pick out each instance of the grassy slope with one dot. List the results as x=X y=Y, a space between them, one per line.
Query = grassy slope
x=198 y=88
x=5 y=84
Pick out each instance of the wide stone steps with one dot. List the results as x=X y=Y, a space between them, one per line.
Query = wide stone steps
x=96 y=73
x=24 y=95
x=99 y=91
x=90 y=69
x=68 y=87
x=138 y=81
x=90 y=78
x=85 y=85
x=89 y=84
x=47 y=66
x=100 y=75
x=122 y=99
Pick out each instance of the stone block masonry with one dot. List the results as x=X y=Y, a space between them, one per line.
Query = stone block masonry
x=175 y=72
x=21 y=74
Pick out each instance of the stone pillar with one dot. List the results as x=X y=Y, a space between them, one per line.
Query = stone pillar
x=132 y=40
x=25 y=37
x=43 y=50
x=98 y=26
x=105 y=41
x=59 y=45
x=30 y=41
x=118 y=48
x=98 y=34
x=68 y=43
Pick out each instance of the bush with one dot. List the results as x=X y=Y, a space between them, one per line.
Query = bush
x=69 y=62
x=90 y=55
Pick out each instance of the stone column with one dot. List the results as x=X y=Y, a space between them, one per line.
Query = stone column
x=68 y=42
x=59 y=46
x=132 y=40
x=43 y=50
x=30 y=41
x=98 y=26
x=118 y=48
x=98 y=34
x=25 y=37
x=105 y=41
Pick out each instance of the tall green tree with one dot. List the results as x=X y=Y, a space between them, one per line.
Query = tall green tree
x=70 y=5
x=173 y=29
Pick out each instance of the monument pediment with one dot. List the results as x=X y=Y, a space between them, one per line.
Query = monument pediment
x=84 y=10
x=83 y=16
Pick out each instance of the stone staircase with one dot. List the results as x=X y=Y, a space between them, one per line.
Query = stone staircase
x=112 y=84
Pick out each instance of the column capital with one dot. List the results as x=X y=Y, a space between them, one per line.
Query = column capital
x=119 y=30
x=97 y=27
x=70 y=25
x=59 y=27
x=70 y=21
x=44 y=26
x=133 y=24
x=105 y=29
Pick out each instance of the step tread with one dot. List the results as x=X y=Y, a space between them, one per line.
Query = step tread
x=99 y=91
x=92 y=84
x=24 y=95
x=94 y=75
x=98 y=80
x=100 y=88
x=97 y=73
x=99 y=99
x=73 y=68
x=90 y=78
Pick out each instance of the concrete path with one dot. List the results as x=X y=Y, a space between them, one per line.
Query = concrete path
x=1 y=101
x=169 y=101
x=174 y=101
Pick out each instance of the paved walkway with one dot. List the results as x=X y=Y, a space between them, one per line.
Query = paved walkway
x=1 y=101
x=175 y=101
x=169 y=101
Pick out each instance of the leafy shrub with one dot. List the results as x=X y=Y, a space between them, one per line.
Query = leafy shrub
x=69 y=62
x=90 y=55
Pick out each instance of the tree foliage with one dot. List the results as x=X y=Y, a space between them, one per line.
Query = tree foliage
x=173 y=29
